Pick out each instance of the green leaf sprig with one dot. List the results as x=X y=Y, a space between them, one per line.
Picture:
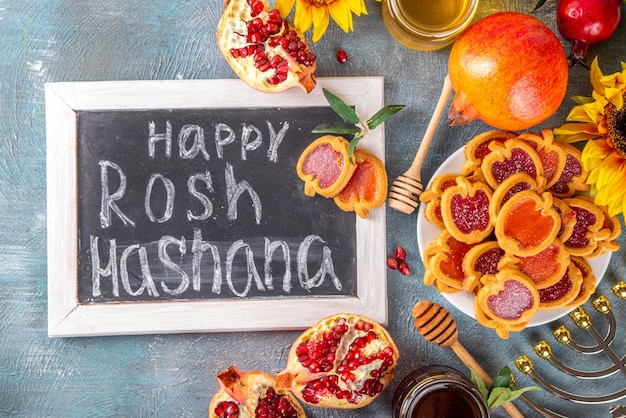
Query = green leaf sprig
x=500 y=391
x=351 y=124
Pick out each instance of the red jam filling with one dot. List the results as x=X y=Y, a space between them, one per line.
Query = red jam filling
x=512 y=301
x=325 y=164
x=471 y=213
x=519 y=162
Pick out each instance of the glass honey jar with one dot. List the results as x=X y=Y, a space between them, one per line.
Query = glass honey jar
x=427 y=25
x=438 y=392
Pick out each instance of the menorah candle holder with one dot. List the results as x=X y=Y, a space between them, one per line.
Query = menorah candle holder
x=602 y=345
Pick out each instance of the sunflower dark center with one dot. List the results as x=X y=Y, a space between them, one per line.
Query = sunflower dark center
x=616 y=123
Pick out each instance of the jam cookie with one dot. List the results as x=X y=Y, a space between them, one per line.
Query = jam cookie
x=573 y=176
x=465 y=211
x=476 y=149
x=432 y=198
x=545 y=268
x=367 y=187
x=563 y=292
x=504 y=160
x=527 y=223
x=518 y=182
x=324 y=166
x=481 y=259
x=589 y=228
x=509 y=299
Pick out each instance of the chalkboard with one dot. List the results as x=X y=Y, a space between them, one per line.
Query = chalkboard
x=170 y=197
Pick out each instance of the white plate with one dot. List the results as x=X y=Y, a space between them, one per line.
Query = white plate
x=427 y=232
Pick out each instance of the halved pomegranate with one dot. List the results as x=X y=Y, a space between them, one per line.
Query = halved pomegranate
x=263 y=49
x=252 y=395
x=343 y=361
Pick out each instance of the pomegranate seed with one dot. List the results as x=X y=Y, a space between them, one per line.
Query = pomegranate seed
x=342 y=56
x=404 y=268
x=227 y=409
x=400 y=254
x=392 y=263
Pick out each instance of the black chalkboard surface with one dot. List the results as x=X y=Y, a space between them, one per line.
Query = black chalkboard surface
x=180 y=200
x=173 y=203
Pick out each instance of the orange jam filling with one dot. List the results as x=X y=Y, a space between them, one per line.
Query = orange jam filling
x=526 y=225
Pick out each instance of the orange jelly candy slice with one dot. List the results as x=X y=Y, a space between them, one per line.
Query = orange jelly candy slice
x=527 y=224
x=367 y=188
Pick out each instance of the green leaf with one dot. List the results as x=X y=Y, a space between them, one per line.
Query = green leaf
x=383 y=114
x=582 y=99
x=336 y=128
x=498 y=397
x=352 y=146
x=341 y=108
x=518 y=392
x=480 y=384
x=538 y=5
x=503 y=379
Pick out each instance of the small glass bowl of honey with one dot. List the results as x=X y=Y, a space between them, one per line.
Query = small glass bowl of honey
x=438 y=392
x=427 y=25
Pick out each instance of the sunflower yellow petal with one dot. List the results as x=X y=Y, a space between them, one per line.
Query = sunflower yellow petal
x=614 y=95
x=284 y=7
x=303 y=18
x=571 y=128
x=595 y=76
x=321 y=18
x=579 y=114
x=341 y=14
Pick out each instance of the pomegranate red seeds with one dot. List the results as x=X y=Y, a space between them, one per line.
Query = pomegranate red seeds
x=343 y=361
x=399 y=261
x=252 y=394
x=263 y=50
x=342 y=56
x=537 y=235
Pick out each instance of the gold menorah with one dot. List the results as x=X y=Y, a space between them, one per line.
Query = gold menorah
x=602 y=345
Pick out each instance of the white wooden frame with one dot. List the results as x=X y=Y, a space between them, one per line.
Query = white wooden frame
x=66 y=317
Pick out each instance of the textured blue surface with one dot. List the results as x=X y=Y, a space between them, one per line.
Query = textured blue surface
x=173 y=375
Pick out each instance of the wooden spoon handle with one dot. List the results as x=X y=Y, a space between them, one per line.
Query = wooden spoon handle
x=416 y=167
x=469 y=361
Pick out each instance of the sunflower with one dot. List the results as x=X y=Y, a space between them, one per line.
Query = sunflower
x=601 y=121
x=319 y=12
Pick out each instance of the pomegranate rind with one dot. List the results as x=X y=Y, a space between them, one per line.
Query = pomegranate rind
x=354 y=327
x=231 y=34
x=337 y=161
x=247 y=388
x=509 y=70
x=369 y=171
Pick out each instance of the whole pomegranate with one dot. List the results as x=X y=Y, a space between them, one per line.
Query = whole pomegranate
x=508 y=70
x=586 y=23
x=252 y=395
x=263 y=49
x=343 y=361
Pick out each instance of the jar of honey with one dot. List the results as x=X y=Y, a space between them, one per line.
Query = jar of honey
x=427 y=25
x=438 y=392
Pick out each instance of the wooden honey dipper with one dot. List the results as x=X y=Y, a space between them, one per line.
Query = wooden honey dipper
x=406 y=189
x=436 y=324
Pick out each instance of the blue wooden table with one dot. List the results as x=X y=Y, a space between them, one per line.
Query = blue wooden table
x=174 y=375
